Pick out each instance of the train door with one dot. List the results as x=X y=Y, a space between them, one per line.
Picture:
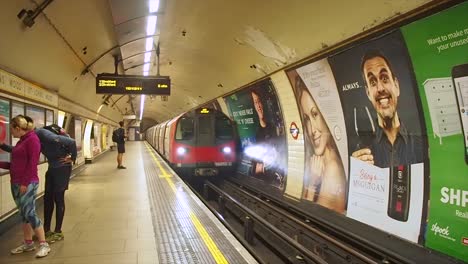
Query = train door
x=156 y=142
x=161 y=137
x=205 y=130
x=154 y=137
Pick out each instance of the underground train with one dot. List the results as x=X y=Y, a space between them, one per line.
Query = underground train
x=200 y=142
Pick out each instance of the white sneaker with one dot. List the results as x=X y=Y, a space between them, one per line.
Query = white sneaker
x=44 y=250
x=23 y=248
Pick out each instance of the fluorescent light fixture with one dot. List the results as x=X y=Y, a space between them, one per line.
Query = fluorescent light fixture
x=145 y=73
x=142 y=105
x=146 y=67
x=153 y=6
x=149 y=44
x=100 y=107
x=151 y=25
x=147 y=56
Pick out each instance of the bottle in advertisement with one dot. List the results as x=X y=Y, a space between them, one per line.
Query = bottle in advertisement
x=399 y=194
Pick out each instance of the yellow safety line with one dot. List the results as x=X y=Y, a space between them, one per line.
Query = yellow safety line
x=164 y=172
x=210 y=244
x=215 y=252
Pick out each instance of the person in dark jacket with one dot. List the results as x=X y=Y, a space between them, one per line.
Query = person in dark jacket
x=61 y=152
x=25 y=182
x=120 y=145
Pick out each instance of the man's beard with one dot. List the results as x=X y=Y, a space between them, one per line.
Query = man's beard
x=387 y=120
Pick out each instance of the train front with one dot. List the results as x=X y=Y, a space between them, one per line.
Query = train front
x=204 y=144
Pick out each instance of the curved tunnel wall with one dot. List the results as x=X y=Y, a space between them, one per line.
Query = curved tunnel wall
x=351 y=132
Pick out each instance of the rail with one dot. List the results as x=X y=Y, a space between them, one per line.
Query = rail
x=315 y=231
x=251 y=218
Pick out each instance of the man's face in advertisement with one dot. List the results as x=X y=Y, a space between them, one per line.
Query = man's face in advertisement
x=258 y=105
x=382 y=87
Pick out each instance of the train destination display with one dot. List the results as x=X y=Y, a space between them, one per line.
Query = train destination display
x=132 y=84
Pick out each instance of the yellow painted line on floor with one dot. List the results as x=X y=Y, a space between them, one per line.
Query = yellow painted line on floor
x=214 y=250
x=210 y=244
x=161 y=168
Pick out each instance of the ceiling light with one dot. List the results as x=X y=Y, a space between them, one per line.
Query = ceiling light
x=142 y=105
x=149 y=44
x=146 y=67
x=153 y=6
x=145 y=73
x=151 y=25
x=147 y=56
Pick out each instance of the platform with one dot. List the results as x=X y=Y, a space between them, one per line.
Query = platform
x=144 y=214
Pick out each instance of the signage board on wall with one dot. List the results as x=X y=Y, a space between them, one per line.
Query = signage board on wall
x=132 y=84
x=438 y=46
x=262 y=133
x=399 y=95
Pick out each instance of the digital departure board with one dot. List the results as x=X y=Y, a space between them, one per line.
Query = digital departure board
x=132 y=84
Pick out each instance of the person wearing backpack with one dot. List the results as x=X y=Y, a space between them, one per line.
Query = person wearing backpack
x=60 y=151
x=118 y=136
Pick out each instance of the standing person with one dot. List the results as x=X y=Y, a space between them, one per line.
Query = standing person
x=393 y=144
x=120 y=145
x=25 y=181
x=325 y=178
x=60 y=151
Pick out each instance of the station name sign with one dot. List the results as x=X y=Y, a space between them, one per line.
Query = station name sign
x=132 y=84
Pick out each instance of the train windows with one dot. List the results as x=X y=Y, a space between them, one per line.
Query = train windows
x=204 y=123
x=185 y=128
x=223 y=128
x=205 y=128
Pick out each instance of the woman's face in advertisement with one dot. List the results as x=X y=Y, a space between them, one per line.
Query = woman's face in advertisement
x=316 y=129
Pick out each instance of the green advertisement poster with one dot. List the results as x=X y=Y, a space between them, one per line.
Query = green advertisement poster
x=438 y=46
x=261 y=131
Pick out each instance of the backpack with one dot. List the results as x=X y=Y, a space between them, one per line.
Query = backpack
x=116 y=136
x=58 y=131
x=55 y=129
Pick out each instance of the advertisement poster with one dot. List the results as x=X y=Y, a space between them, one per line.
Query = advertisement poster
x=16 y=109
x=261 y=130
x=97 y=139
x=385 y=132
x=78 y=137
x=438 y=46
x=4 y=128
x=326 y=147
x=37 y=114
x=49 y=117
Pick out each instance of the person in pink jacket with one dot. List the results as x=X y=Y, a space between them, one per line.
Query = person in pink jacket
x=25 y=181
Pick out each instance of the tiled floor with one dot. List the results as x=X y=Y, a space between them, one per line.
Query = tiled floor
x=104 y=222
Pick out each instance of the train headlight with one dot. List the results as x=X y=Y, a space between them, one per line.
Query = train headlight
x=227 y=150
x=181 y=151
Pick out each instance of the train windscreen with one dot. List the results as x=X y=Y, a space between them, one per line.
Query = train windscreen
x=223 y=128
x=185 y=129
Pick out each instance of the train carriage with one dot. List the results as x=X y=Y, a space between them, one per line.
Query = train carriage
x=201 y=142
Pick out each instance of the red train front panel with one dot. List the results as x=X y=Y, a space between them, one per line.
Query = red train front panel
x=203 y=143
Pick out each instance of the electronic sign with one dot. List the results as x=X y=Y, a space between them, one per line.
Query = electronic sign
x=132 y=84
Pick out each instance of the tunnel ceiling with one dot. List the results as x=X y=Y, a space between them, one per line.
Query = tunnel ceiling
x=208 y=48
